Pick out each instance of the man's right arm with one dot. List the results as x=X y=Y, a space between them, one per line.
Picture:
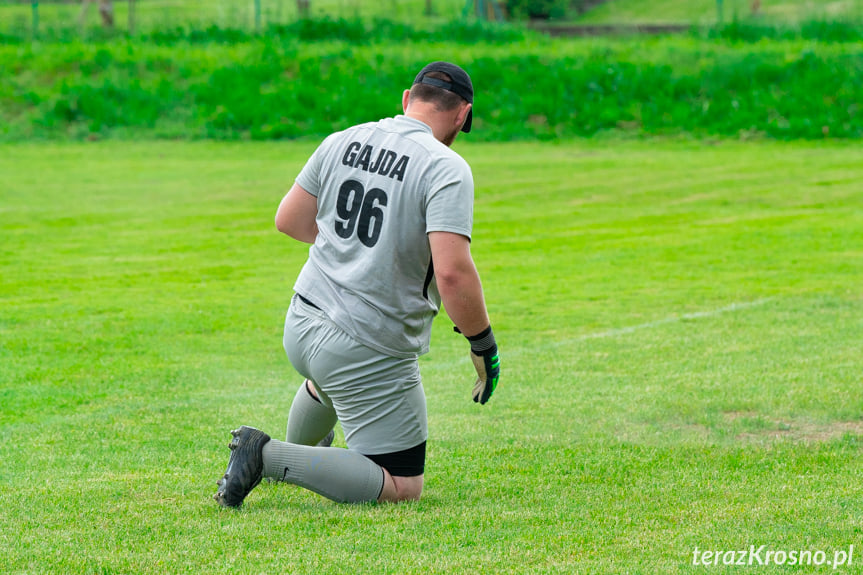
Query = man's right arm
x=458 y=282
x=461 y=291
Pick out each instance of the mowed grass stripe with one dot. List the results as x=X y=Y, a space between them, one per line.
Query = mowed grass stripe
x=680 y=327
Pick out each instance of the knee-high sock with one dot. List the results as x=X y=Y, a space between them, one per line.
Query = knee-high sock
x=338 y=474
x=309 y=420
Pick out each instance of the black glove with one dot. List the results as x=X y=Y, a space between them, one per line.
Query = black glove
x=486 y=360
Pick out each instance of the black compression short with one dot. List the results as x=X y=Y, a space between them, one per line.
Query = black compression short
x=408 y=463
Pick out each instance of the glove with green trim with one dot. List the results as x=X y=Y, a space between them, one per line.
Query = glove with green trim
x=486 y=360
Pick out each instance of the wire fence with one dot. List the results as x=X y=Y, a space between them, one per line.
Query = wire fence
x=85 y=18
x=67 y=17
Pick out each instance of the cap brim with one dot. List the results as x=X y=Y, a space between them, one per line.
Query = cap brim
x=468 y=122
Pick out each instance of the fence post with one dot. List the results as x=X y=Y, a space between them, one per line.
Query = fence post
x=719 y=15
x=131 y=17
x=257 y=15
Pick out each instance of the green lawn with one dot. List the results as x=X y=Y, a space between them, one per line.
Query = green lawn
x=680 y=326
x=706 y=11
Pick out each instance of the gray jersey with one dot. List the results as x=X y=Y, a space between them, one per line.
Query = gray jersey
x=381 y=188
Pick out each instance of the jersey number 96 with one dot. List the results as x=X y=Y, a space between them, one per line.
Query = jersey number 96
x=361 y=211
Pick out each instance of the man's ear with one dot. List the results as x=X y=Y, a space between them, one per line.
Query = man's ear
x=461 y=117
x=406 y=96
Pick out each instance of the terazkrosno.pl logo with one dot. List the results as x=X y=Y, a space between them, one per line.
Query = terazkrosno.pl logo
x=756 y=555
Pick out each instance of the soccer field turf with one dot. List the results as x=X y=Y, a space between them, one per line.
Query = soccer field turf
x=680 y=324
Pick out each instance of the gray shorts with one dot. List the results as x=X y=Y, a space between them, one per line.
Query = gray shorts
x=379 y=399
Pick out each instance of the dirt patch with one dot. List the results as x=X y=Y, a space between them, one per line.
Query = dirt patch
x=553 y=29
x=742 y=428
x=760 y=428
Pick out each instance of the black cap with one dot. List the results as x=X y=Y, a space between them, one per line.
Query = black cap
x=460 y=84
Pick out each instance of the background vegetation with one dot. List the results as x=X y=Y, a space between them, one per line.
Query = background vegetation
x=706 y=12
x=226 y=84
x=166 y=14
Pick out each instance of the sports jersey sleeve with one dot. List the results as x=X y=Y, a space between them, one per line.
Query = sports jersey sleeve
x=449 y=200
x=310 y=176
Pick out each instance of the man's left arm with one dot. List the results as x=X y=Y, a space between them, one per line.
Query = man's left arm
x=296 y=215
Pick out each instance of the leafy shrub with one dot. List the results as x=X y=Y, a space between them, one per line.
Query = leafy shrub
x=325 y=28
x=537 y=9
x=271 y=87
x=834 y=31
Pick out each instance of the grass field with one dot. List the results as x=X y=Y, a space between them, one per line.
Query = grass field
x=707 y=12
x=680 y=325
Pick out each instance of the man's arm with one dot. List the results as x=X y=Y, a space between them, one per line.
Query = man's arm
x=461 y=292
x=296 y=215
x=458 y=282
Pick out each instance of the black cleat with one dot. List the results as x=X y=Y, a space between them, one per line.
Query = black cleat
x=244 y=468
x=328 y=440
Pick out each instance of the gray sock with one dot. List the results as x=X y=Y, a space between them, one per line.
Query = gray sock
x=338 y=474
x=309 y=420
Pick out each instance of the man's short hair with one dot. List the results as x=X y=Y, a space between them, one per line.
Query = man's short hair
x=444 y=100
x=437 y=82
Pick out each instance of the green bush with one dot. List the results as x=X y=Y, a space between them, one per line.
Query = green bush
x=278 y=86
x=537 y=9
x=832 y=31
x=325 y=28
